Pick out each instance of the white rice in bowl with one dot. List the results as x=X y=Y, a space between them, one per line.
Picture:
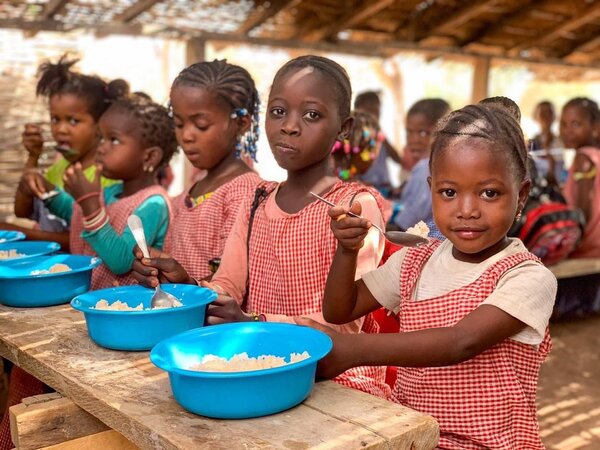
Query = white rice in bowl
x=118 y=305
x=8 y=254
x=241 y=362
x=56 y=268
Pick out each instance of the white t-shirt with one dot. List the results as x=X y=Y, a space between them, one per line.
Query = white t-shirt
x=526 y=291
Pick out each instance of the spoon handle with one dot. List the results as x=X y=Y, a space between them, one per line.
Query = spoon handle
x=137 y=229
x=349 y=213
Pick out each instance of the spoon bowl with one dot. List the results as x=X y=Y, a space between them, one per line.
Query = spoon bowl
x=160 y=299
x=395 y=237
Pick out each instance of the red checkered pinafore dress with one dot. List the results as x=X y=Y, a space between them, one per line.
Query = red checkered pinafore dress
x=487 y=401
x=198 y=233
x=118 y=212
x=289 y=259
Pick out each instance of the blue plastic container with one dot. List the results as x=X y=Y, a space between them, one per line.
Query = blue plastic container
x=28 y=249
x=141 y=330
x=240 y=395
x=10 y=236
x=18 y=287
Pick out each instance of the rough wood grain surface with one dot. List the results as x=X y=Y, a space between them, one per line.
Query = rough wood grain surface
x=50 y=419
x=132 y=396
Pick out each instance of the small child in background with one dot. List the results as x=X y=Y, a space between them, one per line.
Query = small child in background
x=276 y=259
x=473 y=309
x=76 y=102
x=215 y=106
x=414 y=204
x=579 y=125
x=137 y=138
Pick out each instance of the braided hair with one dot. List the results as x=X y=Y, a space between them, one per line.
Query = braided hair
x=234 y=85
x=490 y=121
x=329 y=68
x=356 y=154
x=153 y=122
x=56 y=79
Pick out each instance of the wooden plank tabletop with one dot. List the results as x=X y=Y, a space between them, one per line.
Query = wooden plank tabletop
x=129 y=394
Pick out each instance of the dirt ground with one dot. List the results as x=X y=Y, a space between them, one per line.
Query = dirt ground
x=569 y=393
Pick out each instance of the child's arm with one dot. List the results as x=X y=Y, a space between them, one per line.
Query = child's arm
x=38 y=235
x=480 y=330
x=345 y=300
x=115 y=250
x=585 y=185
x=32 y=184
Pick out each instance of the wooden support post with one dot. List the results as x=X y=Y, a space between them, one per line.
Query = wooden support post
x=44 y=420
x=480 y=78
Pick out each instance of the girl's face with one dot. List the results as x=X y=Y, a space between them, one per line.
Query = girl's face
x=419 y=135
x=475 y=198
x=302 y=119
x=72 y=125
x=203 y=125
x=576 y=128
x=120 y=152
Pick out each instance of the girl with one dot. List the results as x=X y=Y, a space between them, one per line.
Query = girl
x=415 y=202
x=473 y=309
x=215 y=106
x=277 y=256
x=579 y=124
x=76 y=103
x=137 y=138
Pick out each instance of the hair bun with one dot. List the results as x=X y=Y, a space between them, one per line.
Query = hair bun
x=504 y=104
x=117 y=89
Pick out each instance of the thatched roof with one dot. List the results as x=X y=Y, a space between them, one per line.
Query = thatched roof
x=533 y=30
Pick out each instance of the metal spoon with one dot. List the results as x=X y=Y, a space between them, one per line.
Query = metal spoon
x=395 y=237
x=65 y=151
x=160 y=299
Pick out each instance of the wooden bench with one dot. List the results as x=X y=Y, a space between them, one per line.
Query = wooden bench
x=570 y=268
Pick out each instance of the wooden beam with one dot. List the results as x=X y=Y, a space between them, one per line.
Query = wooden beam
x=134 y=10
x=583 y=48
x=349 y=20
x=263 y=13
x=52 y=8
x=521 y=12
x=583 y=17
x=49 y=419
x=481 y=76
x=449 y=23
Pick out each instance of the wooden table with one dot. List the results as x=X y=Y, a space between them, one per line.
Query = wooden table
x=129 y=394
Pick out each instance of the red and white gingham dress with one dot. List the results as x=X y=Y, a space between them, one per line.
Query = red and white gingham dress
x=198 y=234
x=289 y=261
x=488 y=401
x=118 y=212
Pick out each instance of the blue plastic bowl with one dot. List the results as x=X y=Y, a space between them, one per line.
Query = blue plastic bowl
x=240 y=395
x=29 y=249
x=10 y=236
x=18 y=287
x=141 y=330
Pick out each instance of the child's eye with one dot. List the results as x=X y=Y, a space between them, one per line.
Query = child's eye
x=178 y=124
x=114 y=141
x=201 y=127
x=312 y=115
x=73 y=121
x=448 y=193
x=277 y=112
x=489 y=194
x=54 y=120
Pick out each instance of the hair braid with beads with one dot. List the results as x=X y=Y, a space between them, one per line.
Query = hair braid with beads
x=234 y=85
x=155 y=124
x=489 y=121
x=329 y=68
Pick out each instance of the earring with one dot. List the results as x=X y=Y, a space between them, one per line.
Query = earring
x=518 y=216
